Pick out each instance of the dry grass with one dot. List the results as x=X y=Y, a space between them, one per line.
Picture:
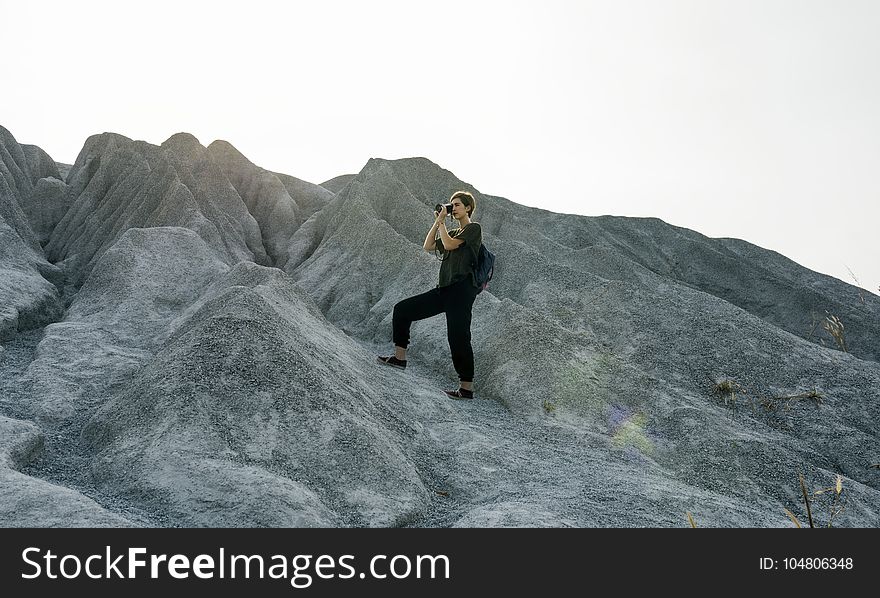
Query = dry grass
x=858 y=284
x=836 y=507
x=806 y=499
x=833 y=326
x=730 y=391
x=727 y=390
x=792 y=517
x=785 y=403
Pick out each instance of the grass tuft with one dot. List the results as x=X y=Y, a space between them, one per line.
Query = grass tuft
x=792 y=517
x=834 y=327
x=731 y=391
x=837 y=506
x=727 y=390
x=785 y=403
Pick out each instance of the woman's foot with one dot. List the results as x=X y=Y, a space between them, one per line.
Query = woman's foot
x=392 y=361
x=461 y=393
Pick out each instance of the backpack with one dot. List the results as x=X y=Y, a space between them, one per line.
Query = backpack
x=485 y=268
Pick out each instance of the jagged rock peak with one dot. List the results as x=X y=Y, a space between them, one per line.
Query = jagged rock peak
x=99 y=143
x=224 y=152
x=29 y=159
x=6 y=137
x=184 y=145
x=414 y=163
x=40 y=163
x=338 y=183
x=94 y=147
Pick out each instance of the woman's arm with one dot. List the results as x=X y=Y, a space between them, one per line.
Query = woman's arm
x=430 y=241
x=448 y=242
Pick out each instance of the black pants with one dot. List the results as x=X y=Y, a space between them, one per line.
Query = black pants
x=456 y=300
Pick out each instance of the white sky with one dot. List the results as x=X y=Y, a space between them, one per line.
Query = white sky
x=758 y=120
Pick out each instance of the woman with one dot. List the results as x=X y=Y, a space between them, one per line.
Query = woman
x=454 y=295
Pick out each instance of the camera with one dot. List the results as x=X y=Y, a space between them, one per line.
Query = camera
x=440 y=205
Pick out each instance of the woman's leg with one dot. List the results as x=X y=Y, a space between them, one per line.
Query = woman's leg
x=458 y=332
x=410 y=310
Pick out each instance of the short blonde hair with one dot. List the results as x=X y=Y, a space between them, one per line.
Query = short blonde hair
x=467 y=200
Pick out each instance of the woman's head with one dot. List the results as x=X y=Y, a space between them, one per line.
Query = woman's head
x=464 y=199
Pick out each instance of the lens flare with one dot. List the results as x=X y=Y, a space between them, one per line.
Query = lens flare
x=628 y=430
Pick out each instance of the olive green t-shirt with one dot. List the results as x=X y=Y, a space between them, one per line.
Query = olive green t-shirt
x=461 y=262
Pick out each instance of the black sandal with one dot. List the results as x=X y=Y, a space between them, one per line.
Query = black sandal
x=393 y=362
x=461 y=393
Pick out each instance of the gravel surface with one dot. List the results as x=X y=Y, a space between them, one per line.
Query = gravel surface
x=64 y=459
x=201 y=352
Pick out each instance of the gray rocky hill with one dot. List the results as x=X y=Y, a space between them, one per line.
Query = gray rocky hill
x=189 y=340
